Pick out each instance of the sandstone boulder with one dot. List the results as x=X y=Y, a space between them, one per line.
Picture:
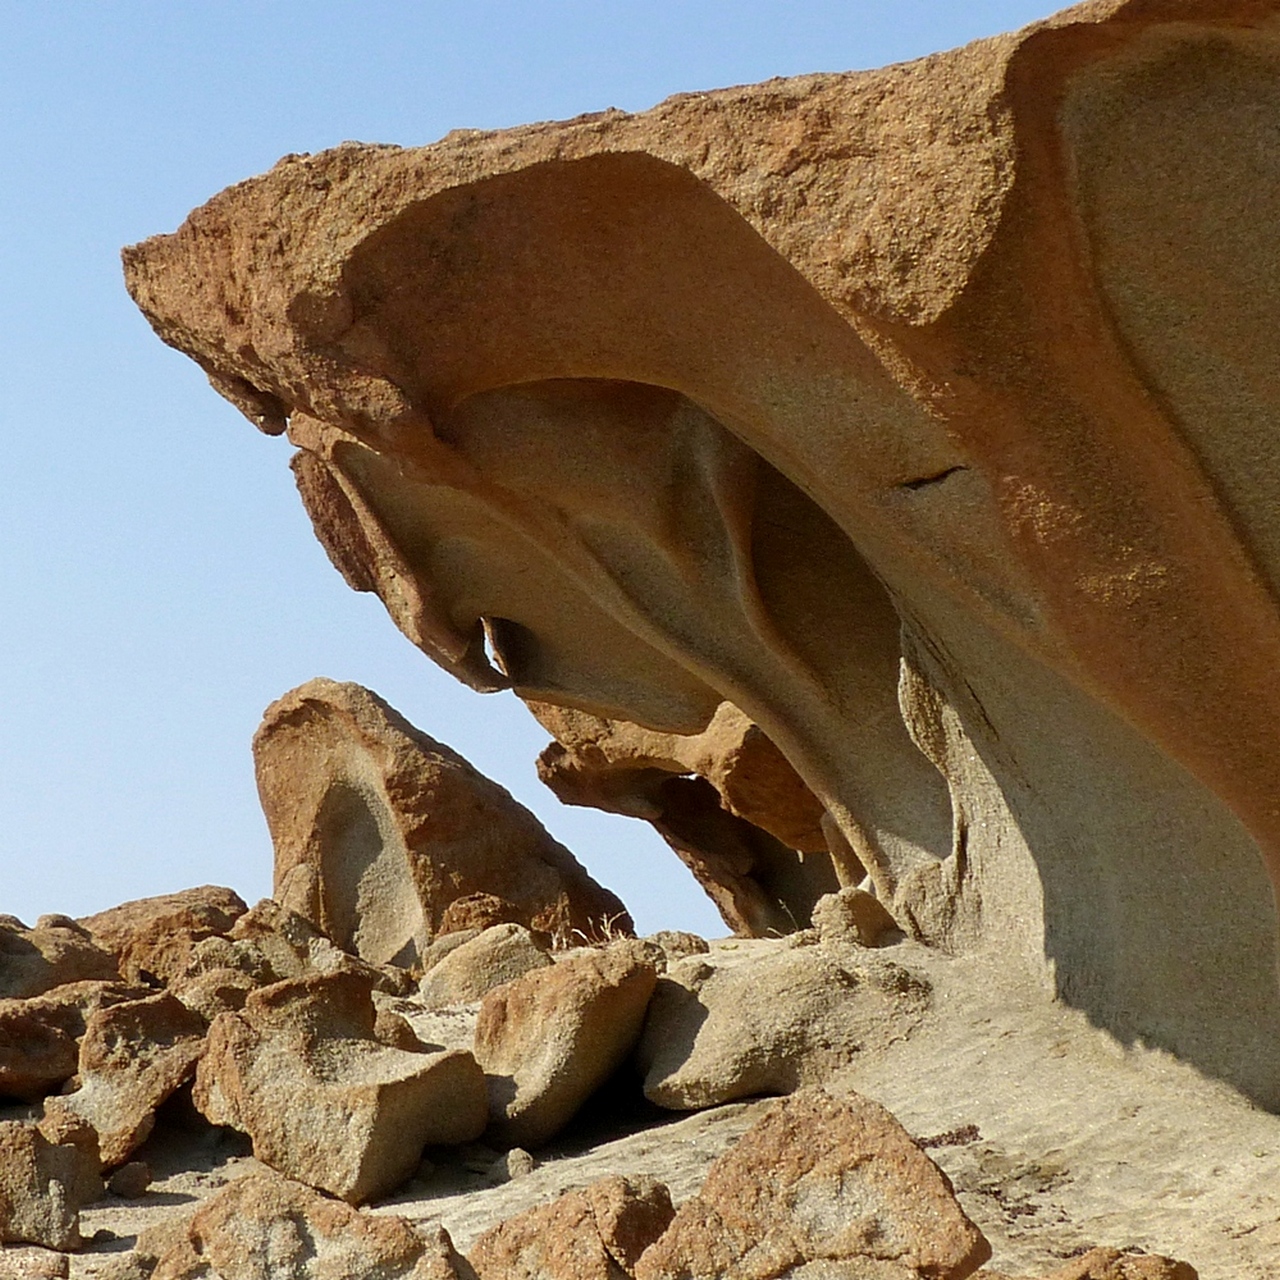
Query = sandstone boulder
x=500 y=954
x=39 y=1036
x=152 y=938
x=301 y=1071
x=854 y=916
x=265 y=1227
x=132 y=1058
x=43 y=1187
x=820 y=1180
x=716 y=1032
x=378 y=829
x=33 y=961
x=548 y=1040
x=597 y=1233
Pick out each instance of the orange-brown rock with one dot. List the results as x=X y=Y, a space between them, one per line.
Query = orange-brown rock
x=133 y=1056
x=153 y=938
x=378 y=829
x=302 y=1071
x=926 y=415
x=39 y=1036
x=597 y=1233
x=549 y=1039
x=265 y=1227
x=43 y=1187
x=57 y=951
x=726 y=800
x=819 y=1179
x=1112 y=1264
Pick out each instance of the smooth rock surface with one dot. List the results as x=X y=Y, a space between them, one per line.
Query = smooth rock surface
x=378 y=829
x=497 y=955
x=302 y=1072
x=819 y=1180
x=548 y=1040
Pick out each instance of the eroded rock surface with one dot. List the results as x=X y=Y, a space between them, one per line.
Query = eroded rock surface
x=497 y=955
x=43 y=1186
x=378 y=829
x=56 y=952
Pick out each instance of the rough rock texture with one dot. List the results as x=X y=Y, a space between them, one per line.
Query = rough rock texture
x=988 y=415
x=719 y=1031
x=853 y=916
x=301 y=1071
x=500 y=954
x=39 y=1037
x=43 y=1186
x=265 y=1227
x=1112 y=1264
x=742 y=823
x=548 y=1040
x=819 y=1179
x=152 y=938
x=133 y=1056
x=597 y=1233
x=33 y=961
x=379 y=828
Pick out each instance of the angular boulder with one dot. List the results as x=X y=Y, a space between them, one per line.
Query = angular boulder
x=378 y=829
x=854 y=916
x=133 y=1057
x=597 y=1233
x=301 y=1070
x=820 y=1180
x=497 y=955
x=548 y=1040
x=770 y=1024
x=39 y=1036
x=43 y=1187
x=55 y=952
x=152 y=938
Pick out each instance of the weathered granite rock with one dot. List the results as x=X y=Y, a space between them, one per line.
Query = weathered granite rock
x=152 y=938
x=39 y=1036
x=819 y=1179
x=854 y=916
x=33 y=961
x=302 y=1072
x=742 y=822
x=500 y=954
x=716 y=1032
x=265 y=1227
x=43 y=1187
x=378 y=829
x=548 y=1040
x=597 y=1233
x=133 y=1056
x=973 y=428
x=1112 y=1264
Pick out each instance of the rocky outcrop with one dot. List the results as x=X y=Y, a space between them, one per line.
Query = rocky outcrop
x=43 y=1187
x=379 y=829
x=969 y=505
x=132 y=1058
x=597 y=1233
x=152 y=938
x=820 y=1180
x=726 y=800
x=716 y=1032
x=57 y=951
x=302 y=1071
x=548 y=1040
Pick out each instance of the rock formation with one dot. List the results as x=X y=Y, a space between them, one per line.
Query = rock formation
x=379 y=830
x=924 y=415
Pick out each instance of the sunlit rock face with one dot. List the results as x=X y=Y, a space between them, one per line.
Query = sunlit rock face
x=926 y=416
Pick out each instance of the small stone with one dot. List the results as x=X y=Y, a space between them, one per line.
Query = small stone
x=131 y=1180
x=513 y=1164
x=498 y=955
x=677 y=944
x=1112 y=1264
x=32 y=1263
x=854 y=916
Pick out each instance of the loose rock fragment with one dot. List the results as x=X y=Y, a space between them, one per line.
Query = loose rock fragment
x=130 y=1180
x=498 y=955
x=43 y=1187
x=133 y=1056
x=716 y=1033
x=594 y=1234
x=33 y=961
x=152 y=938
x=549 y=1039
x=379 y=829
x=301 y=1071
x=853 y=916
x=820 y=1180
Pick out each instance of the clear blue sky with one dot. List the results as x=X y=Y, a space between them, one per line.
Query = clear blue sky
x=160 y=584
